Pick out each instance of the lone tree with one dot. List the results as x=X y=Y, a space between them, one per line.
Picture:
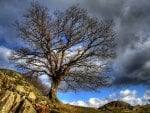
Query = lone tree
x=70 y=47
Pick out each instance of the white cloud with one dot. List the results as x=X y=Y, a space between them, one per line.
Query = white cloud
x=129 y=96
x=127 y=92
x=79 y=103
x=96 y=102
x=146 y=96
x=4 y=52
x=45 y=80
x=44 y=77
x=4 y=57
x=112 y=97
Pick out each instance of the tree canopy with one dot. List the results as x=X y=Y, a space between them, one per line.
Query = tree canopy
x=69 y=46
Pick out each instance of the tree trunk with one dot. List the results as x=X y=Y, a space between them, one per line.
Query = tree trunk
x=53 y=91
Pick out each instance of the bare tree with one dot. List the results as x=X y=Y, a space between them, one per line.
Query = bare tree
x=69 y=46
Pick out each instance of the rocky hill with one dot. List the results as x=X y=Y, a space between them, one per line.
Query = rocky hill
x=17 y=95
x=117 y=104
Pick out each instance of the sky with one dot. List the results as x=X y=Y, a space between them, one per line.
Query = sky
x=131 y=67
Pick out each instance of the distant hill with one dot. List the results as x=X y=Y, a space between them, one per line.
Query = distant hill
x=123 y=107
x=117 y=104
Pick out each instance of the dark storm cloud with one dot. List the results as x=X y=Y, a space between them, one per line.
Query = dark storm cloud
x=10 y=11
x=13 y=10
x=134 y=67
x=132 y=20
x=132 y=26
x=134 y=45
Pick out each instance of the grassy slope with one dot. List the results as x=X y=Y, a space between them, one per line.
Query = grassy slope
x=62 y=108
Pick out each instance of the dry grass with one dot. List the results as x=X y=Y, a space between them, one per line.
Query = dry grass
x=64 y=108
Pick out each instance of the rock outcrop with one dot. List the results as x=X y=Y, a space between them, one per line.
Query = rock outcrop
x=17 y=95
x=116 y=105
x=123 y=107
